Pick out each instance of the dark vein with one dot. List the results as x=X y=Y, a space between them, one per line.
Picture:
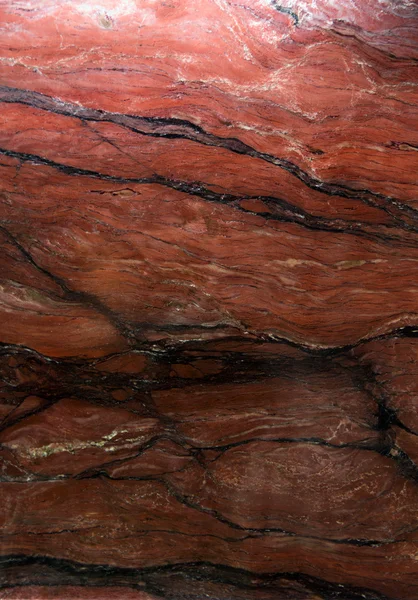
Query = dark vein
x=71 y=295
x=20 y=570
x=286 y=11
x=182 y=129
x=283 y=211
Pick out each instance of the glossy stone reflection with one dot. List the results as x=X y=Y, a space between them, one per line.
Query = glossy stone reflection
x=208 y=300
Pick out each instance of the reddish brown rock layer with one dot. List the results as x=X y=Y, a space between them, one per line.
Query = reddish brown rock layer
x=208 y=300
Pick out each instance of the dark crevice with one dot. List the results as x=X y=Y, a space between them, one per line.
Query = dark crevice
x=387 y=419
x=173 y=128
x=283 y=211
x=187 y=501
x=20 y=570
x=173 y=348
x=74 y=297
x=386 y=416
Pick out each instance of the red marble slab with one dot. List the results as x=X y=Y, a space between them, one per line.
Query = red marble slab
x=208 y=299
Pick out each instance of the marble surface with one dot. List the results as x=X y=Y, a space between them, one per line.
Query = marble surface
x=209 y=299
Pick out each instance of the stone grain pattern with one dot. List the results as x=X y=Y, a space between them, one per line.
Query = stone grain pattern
x=209 y=299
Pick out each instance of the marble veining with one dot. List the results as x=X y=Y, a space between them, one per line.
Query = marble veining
x=209 y=299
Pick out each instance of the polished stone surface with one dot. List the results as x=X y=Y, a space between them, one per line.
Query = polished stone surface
x=209 y=299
